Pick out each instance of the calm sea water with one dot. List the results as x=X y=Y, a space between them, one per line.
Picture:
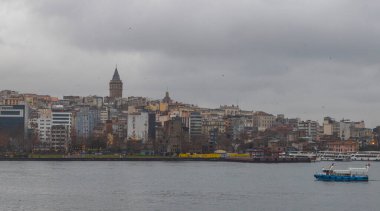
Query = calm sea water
x=180 y=186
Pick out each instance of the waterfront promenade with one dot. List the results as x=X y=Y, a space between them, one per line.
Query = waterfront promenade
x=151 y=158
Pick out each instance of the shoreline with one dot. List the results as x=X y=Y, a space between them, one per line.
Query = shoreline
x=238 y=160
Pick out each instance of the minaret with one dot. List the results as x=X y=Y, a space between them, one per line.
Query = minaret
x=116 y=86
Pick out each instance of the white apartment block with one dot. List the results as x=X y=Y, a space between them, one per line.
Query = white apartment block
x=138 y=126
x=311 y=128
x=44 y=122
x=262 y=120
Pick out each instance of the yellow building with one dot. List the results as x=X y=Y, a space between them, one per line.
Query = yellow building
x=164 y=107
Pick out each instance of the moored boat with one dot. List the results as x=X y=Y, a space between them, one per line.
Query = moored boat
x=334 y=156
x=350 y=174
x=299 y=154
x=366 y=156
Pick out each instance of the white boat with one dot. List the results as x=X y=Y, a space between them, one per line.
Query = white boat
x=366 y=156
x=334 y=156
x=299 y=154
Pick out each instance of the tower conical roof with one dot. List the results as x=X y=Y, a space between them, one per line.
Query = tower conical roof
x=116 y=76
x=167 y=98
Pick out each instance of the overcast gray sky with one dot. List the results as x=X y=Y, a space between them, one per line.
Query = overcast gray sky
x=303 y=58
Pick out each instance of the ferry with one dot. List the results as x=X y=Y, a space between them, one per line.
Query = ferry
x=299 y=154
x=334 y=156
x=350 y=174
x=366 y=156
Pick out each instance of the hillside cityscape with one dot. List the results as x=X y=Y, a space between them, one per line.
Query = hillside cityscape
x=36 y=123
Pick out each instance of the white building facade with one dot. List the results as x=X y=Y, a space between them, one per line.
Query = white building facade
x=138 y=125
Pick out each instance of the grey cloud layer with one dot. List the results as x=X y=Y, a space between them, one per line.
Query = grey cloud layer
x=292 y=57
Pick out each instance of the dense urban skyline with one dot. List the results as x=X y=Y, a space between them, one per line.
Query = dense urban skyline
x=303 y=59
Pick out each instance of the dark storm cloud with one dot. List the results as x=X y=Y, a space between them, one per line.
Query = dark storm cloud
x=292 y=57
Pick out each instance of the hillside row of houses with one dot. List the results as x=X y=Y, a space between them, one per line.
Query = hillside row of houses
x=33 y=122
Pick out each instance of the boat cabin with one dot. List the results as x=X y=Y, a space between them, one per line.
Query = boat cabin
x=327 y=171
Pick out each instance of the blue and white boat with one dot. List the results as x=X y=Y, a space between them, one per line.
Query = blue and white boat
x=350 y=174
